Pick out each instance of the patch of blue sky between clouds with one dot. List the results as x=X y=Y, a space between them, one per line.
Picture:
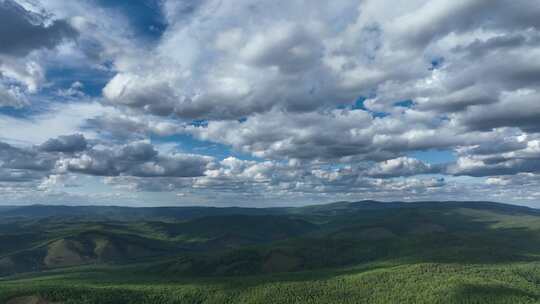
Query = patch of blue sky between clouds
x=188 y=144
x=434 y=157
x=145 y=16
x=39 y=104
x=63 y=77
x=404 y=104
x=358 y=104
x=436 y=63
x=17 y=112
x=199 y=123
x=61 y=81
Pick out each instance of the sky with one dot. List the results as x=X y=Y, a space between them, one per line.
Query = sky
x=268 y=103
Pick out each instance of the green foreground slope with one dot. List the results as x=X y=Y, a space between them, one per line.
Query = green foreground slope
x=376 y=283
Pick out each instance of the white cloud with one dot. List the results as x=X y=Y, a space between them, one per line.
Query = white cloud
x=60 y=120
x=282 y=81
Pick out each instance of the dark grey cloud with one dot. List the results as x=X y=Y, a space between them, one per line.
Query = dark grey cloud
x=460 y=100
x=121 y=127
x=521 y=110
x=18 y=176
x=499 y=146
x=25 y=159
x=334 y=135
x=66 y=144
x=138 y=152
x=23 y=31
x=68 y=154
x=135 y=159
x=480 y=48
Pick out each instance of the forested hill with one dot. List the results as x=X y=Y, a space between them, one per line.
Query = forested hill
x=468 y=252
x=115 y=213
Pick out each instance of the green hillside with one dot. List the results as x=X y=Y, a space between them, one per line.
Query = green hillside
x=363 y=252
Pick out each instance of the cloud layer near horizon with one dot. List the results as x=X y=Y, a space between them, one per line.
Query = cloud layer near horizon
x=257 y=103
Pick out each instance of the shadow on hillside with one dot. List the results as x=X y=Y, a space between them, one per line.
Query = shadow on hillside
x=484 y=246
x=465 y=239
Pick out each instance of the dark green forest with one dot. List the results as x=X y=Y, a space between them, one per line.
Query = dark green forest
x=359 y=252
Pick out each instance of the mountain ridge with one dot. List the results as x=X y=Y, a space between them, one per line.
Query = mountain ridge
x=187 y=212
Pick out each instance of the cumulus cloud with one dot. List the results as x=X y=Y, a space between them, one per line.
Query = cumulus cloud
x=402 y=166
x=303 y=136
x=23 y=31
x=122 y=126
x=517 y=109
x=244 y=69
x=135 y=159
x=67 y=143
x=16 y=175
x=522 y=159
x=57 y=120
x=341 y=135
x=239 y=69
x=24 y=159
x=324 y=99
x=12 y=96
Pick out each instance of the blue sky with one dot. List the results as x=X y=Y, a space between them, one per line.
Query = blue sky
x=257 y=103
x=145 y=16
x=435 y=156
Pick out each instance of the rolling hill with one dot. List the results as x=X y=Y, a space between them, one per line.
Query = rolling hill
x=370 y=252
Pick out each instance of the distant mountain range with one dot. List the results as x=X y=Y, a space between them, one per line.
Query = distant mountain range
x=116 y=213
